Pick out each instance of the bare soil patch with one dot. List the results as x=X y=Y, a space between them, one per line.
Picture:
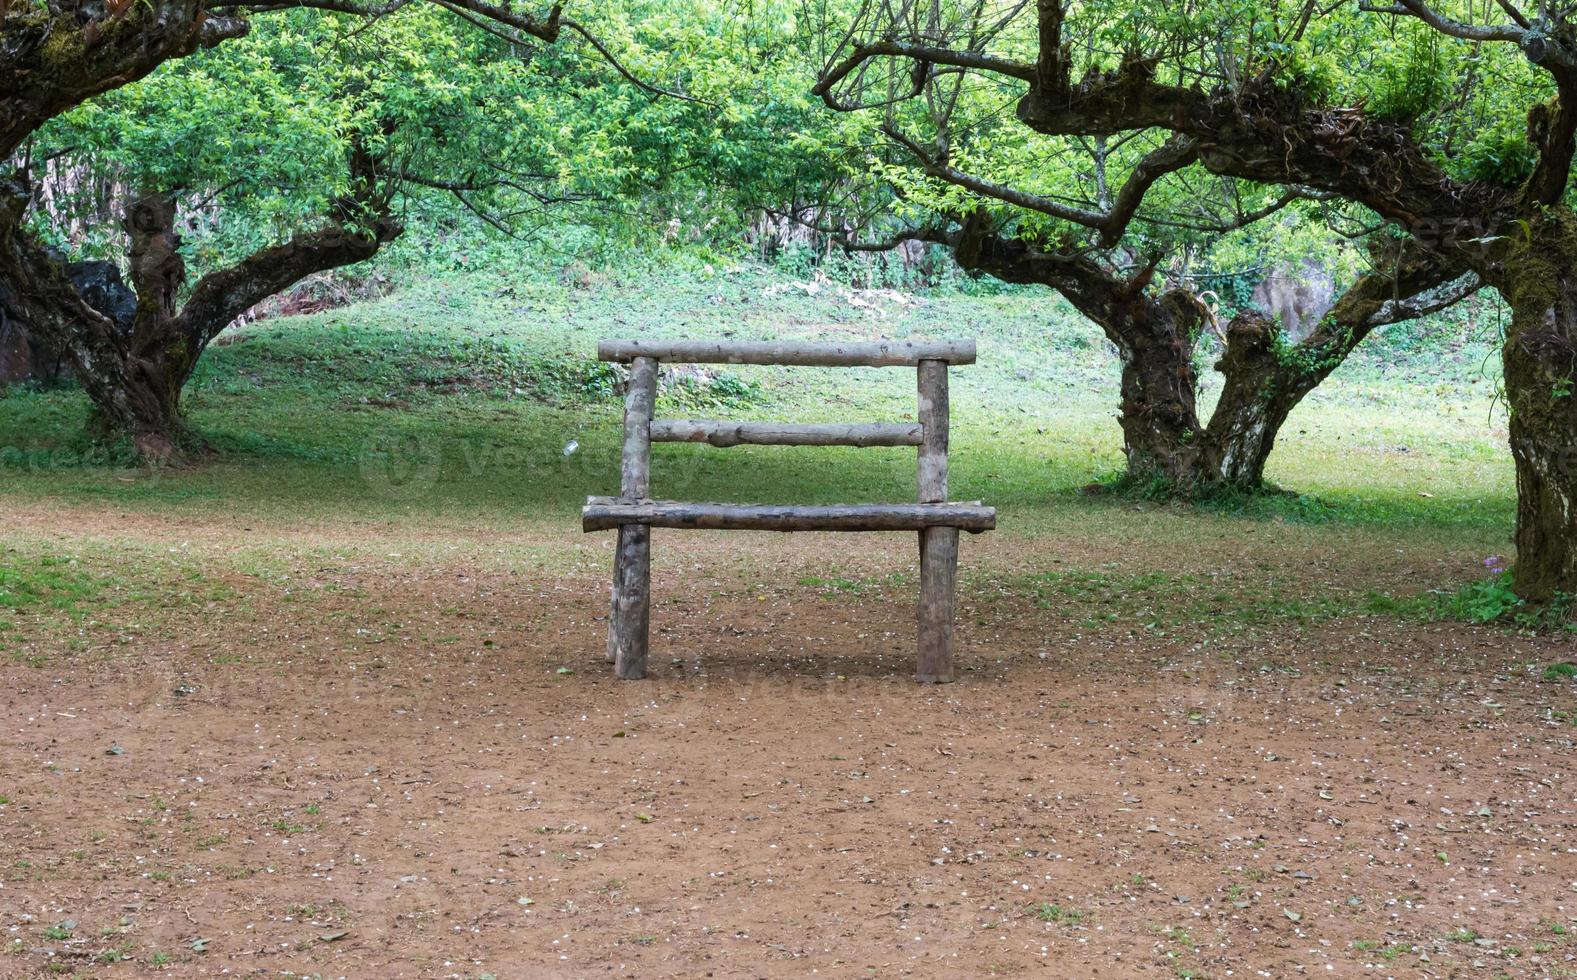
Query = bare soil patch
x=386 y=770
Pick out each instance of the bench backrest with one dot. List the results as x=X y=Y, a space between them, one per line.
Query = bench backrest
x=930 y=434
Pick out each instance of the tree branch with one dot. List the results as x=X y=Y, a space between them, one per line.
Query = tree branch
x=1243 y=218
x=1536 y=39
x=362 y=223
x=1443 y=24
x=1173 y=155
x=924 y=56
x=629 y=76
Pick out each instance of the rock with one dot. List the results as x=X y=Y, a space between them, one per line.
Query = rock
x=24 y=357
x=102 y=288
x=1299 y=295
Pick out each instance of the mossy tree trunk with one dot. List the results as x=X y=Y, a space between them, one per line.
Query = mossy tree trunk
x=1539 y=355
x=1158 y=413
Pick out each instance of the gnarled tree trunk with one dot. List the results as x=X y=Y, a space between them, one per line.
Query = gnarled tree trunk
x=56 y=54
x=134 y=379
x=1265 y=377
x=1155 y=340
x=40 y=294
x=1167 y=445
x=1256 y=399
x=1540 y=361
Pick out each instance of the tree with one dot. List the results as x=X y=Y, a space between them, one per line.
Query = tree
x=56 y=56
x=326 y=128
x=1039 y=219
x=1364 y=105
x=1168 y=444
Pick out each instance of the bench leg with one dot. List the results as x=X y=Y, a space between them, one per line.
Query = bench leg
x=613 y=614
x=938 y=599
x=630 y=620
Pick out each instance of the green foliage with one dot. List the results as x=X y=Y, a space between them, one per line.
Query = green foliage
x=1411 y=81
x=1308 y=359
x=1495 y=600
x=1502 y=155
x=1486 y=600
x=256 y=135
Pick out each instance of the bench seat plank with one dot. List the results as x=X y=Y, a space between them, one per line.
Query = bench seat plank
x=603 y=513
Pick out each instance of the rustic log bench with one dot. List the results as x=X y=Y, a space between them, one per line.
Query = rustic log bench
x=634 y=513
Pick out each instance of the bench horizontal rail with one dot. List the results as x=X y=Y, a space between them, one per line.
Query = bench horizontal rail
x=724 y=434
x=604 y=513
x=881 y=353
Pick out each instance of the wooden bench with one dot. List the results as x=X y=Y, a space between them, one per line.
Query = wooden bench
x=634 y=513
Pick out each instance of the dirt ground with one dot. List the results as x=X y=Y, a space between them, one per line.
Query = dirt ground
x=391 y=769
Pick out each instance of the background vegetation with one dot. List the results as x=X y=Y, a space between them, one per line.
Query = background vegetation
x=683 y=179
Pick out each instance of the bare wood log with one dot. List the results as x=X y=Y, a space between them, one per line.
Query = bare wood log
x=938 y=545
x=635 y=479
x=724 y=434
x=881 y=353
x=602 y=513
x=938 y=604
x=630 y=607
x=932 y=382
x=632 y=603
x=612 y=655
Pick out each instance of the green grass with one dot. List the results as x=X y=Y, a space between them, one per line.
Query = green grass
x=1563 y=671
x=51 y=582
x=1165 y=601
x=32 y=586
x=1060 y=914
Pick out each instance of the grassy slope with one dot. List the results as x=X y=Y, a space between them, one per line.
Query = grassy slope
x=495 y=379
